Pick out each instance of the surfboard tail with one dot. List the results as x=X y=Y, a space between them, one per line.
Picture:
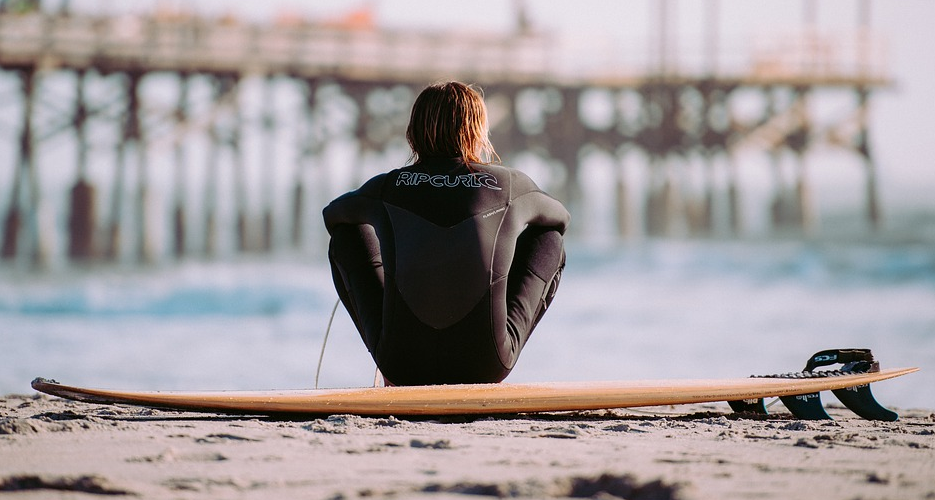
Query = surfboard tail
x=859 y=399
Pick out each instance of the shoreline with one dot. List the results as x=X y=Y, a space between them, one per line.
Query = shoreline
x=54 y=448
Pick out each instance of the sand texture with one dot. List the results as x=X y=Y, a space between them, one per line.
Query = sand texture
x=53 y=448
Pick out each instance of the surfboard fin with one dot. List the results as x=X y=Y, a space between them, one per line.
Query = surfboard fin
x=806 y=406
x=861 y=401
x=757 y=406
x=858 y=399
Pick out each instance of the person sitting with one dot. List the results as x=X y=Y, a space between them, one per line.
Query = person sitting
x=447 y=265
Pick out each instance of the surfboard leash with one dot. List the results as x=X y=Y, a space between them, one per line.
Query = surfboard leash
x=853 y=360
x=852 y=368
x=324 y=341
x=377 y=376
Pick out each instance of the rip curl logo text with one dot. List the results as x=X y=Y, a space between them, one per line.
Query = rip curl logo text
x=478 y=180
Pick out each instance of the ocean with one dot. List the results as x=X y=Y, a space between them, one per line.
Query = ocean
x=640 y=310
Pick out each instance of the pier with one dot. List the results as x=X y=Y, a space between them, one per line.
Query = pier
x=188 y=136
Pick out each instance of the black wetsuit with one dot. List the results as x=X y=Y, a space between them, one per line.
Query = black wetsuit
x=446 y=268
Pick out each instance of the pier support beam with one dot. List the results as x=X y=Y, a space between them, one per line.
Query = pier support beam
x=269 y=160
x=870 y=168
x=13 y=220
x=799 y=141
x=662 y=200
x=83 y=210
x=622 y=197
x=565 y=135
x=145 y=249
x=707 y=222
x=225 y=134
x=25 y=174
x=808 y=220
x=235 y=142
x=131 y=136
x=179 y=219
x=305 y=148
x=734 y=214
x=209 y=210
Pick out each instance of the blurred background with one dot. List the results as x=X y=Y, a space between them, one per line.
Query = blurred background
x=749 y=180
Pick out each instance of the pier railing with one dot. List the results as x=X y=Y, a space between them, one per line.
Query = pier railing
x=195 y=45
x=306 y=50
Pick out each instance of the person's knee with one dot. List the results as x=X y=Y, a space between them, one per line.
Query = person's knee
x=543 y=252
x=354 y=243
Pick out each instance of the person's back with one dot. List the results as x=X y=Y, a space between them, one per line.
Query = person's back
x=446 y=266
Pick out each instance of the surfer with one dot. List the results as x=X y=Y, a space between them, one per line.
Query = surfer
x=447 y=265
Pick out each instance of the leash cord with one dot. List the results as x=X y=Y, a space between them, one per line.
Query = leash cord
x=324 y=341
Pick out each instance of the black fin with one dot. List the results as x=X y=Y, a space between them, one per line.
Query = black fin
x=806 y=406
x=861 y=401
x=749 y=406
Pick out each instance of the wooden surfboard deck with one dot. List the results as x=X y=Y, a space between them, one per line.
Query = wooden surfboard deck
x=471 y=398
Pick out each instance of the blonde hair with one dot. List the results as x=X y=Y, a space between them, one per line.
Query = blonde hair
x=449 y=120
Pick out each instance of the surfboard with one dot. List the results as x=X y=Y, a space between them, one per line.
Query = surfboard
x=474 y=399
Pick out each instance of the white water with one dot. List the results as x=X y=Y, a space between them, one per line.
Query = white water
x=643 y=310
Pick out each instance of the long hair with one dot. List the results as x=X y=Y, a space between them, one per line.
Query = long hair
x=449 y=120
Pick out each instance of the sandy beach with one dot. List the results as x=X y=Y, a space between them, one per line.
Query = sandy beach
x=53 y=448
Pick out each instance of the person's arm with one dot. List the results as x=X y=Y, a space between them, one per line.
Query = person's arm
x=534 y=207
x=548 y=212
x=360 y=206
